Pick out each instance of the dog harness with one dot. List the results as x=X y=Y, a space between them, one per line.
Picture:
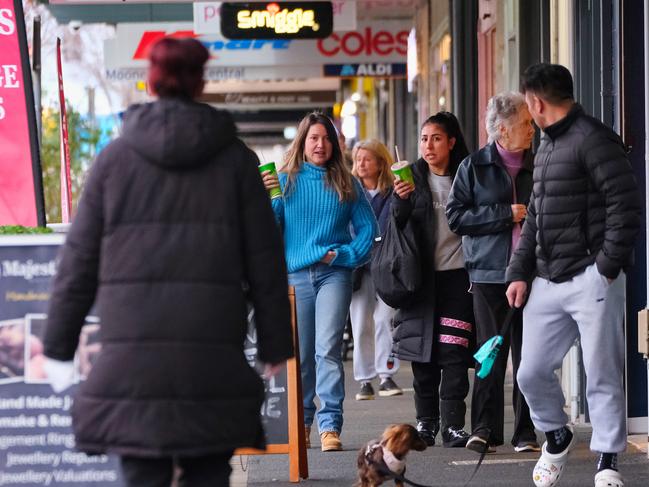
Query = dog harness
x=392 y=462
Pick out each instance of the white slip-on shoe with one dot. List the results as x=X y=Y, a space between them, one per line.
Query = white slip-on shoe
x=609 y=478
x=549 y=468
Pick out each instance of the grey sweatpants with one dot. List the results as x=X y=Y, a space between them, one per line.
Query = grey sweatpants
x=586 y=306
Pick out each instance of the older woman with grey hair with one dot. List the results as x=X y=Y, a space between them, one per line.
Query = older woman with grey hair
x=487 y=206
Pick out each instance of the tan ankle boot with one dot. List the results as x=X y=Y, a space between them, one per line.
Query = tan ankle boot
x=307 y=434
x=330 y=441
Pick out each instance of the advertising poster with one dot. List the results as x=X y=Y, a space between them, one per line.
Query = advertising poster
x=36 y=440
x=21 y=194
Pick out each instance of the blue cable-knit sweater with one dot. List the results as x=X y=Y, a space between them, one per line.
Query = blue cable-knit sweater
x=314 y=221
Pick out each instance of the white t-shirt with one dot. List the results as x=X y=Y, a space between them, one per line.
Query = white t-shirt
x=448 y=245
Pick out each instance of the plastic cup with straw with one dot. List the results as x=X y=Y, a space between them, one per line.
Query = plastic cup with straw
x=401 y=169
x=270 y=166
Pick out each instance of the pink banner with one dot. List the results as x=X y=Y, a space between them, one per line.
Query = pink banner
x=18 y=150
x=66 y=183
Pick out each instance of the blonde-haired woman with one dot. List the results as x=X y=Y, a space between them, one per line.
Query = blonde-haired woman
x=371 y=318
x=320 y=201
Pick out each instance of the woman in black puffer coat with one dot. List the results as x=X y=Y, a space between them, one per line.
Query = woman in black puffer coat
x=173 y=236
x=435 y=331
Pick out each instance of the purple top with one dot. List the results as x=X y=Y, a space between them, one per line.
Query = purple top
x=513 y=162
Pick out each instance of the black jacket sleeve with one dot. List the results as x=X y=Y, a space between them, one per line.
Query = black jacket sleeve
x=466 y=216
x=265 y=266
x=612 y=175
x=522 y=265
x=402 y=208
x=76 y=281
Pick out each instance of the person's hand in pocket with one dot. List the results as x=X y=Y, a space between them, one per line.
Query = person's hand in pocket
x=328 y=257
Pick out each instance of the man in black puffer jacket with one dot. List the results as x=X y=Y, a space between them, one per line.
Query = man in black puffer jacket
x=578 y=237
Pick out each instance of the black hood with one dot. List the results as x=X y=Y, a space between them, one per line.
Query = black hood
x=176 y=133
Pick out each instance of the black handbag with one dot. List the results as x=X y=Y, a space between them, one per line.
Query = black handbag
x=396 y=266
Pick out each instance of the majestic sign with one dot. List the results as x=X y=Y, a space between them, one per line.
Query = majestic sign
x=21 y=194
x=36 y=439
x=285 y=20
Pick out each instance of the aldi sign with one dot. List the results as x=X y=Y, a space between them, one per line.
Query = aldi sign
x=372 y=70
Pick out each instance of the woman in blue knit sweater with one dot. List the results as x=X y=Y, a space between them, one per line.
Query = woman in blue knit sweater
x=320 y=202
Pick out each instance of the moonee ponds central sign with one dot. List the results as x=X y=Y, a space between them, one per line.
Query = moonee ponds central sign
x=283 y=20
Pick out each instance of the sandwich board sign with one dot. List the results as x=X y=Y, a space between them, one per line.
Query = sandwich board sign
x=282 y=412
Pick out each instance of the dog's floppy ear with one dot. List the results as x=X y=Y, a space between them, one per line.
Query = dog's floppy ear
x=390 y=432
x=401 y=438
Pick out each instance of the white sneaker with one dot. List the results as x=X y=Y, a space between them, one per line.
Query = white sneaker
x=478 y=444
x=549 y=468
x=527 y=446
x=609 y=478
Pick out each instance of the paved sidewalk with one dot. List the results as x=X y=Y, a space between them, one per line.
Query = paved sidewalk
x=436 y=466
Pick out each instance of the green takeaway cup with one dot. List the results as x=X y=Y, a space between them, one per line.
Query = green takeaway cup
x=403 y=172
x=270 y=166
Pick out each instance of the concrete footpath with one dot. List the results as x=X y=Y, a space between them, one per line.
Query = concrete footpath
x=437 y=466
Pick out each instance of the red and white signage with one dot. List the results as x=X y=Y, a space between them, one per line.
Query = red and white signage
x=20 y=178
x=66 y=181
x=377 y=42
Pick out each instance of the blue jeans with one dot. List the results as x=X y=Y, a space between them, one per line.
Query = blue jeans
x=323 y=294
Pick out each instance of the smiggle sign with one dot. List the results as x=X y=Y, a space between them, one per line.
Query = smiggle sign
x=288 y=20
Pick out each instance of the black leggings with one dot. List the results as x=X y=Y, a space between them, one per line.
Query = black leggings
x=205 y=471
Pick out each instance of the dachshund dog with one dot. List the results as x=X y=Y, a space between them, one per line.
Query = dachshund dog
x=380 y=460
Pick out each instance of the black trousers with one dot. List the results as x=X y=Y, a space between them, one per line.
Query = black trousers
x=488 y=403
x=205 y=471
x=441 y=385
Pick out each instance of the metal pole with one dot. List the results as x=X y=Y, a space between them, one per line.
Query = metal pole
x=464 y=72
x=646 y=155
x=574 y=383
x=36 y=69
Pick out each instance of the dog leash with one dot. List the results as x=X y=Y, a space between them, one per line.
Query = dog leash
x=480 y=460
x=384 y=470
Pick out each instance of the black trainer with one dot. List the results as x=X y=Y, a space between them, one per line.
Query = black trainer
x=478 y=444
x=389 y=388
x=428 y=429
x=366 y=393
x=454 y=437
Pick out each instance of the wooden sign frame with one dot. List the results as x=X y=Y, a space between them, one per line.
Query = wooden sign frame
x=296 y=446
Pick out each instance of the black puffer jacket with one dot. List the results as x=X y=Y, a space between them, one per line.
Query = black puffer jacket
x=585 y=206
x=173 y=220
x=479 y=209
x=415 y=323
